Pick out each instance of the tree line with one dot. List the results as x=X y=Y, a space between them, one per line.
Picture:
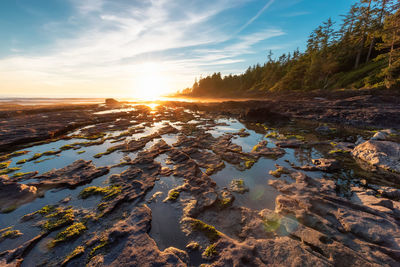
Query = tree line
x=362 y=52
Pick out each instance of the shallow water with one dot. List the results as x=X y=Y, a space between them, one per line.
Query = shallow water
x=166 y=229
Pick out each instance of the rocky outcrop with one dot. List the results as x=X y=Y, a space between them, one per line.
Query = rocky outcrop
x=310 y=225
x=382 y=154
x=129 y=244
x=23 y=127
x=291 y=143
x=111 y=102
x=78 y=173
x=14 y=194
x=14 y=257
x=338 y=230
x=322 y=164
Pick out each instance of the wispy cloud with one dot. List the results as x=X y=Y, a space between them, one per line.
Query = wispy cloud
x=259 y=13
x=295 y=14
x=117 y=37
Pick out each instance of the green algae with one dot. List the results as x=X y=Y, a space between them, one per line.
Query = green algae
x=20 y=174
x=108 y=151
x=9 y=170
x=339 y=151
x=10 y=234
x=9 y=209
x=59 y=218
x=94 y=251
x=272 y=223
x=107 y=192
x=79 y=250
x=173 y=195
x=22 y=161
x=208 y=230
x=13 y=154
x=279 y=171
x=4 y=165
x=69 y=233
x=68 y=147
x=210 y=251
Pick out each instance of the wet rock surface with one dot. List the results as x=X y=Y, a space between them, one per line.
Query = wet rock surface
x=78 y=173
x=130 y=245
x=322 y=165
x=186 y=184
x=13 y=194
x=383 y=154
x=19 y=128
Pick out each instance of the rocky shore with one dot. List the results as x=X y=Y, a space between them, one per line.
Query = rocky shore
x=256 y=183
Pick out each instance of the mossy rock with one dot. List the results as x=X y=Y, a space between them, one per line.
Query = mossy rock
x=107 y=192
x=70 y=232
x=208 y=230
x=210 y=252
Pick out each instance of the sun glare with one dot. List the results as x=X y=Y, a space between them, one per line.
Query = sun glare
x=151 y=82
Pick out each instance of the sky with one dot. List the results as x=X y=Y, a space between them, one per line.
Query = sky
x=137 y=48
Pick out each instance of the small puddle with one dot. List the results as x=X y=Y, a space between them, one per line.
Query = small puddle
x=260 y=195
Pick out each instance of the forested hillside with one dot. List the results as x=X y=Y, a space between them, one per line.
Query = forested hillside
x=361 y=51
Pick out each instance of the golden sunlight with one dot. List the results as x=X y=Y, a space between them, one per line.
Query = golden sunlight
x=151 y=82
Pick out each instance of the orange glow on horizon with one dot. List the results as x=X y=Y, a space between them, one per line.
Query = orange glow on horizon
x=151 y=82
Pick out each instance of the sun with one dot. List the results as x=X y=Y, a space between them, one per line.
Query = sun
x=151 y=82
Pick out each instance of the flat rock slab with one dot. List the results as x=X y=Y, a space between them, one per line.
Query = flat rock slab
x=321 y=164
x=13 y=194
x=293 y=143
x=130 y=245
x=78 y=173
x=382 y=154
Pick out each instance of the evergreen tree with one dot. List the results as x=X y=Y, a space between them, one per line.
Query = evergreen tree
x=371 y=28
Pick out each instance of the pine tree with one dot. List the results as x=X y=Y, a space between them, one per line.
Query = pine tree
x=391 y=42
x=378 y=26
x=365 y=21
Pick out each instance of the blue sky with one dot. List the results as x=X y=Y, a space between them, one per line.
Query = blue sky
x=117 y=47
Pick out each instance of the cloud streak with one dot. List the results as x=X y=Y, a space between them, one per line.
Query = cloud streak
x=116 y=38
x=259 y=13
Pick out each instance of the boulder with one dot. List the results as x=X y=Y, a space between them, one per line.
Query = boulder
x=112 y=102
x=390 y=131
x=382 y=154
x=359 y=141
x=379 y=136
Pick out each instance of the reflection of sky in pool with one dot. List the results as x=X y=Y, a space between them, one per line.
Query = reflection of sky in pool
x=165 y=223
